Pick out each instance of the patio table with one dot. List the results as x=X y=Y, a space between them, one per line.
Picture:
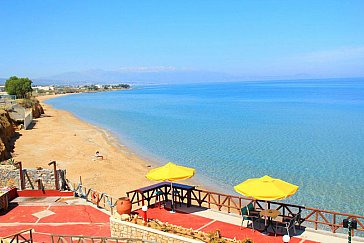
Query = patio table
x=269 y=214
x=148 y=191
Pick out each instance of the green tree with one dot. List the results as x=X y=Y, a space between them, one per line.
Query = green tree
x=21 y=87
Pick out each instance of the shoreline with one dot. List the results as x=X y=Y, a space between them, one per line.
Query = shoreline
x=151 y=161
x=61 y=136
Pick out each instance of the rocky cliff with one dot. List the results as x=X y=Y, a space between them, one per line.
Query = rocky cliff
x=37 y=109
x=34 y=104
x=7 y=131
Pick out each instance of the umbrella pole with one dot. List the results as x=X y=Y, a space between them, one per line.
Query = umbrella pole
x=172 y=197
x=265 y=218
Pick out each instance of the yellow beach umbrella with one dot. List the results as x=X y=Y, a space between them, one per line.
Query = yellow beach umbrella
x=170 y=172
x=266 y=188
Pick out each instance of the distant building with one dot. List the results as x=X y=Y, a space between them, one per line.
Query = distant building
x=2 y=88
x=44 y=88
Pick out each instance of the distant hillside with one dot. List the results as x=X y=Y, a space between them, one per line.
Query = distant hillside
x=136 y=77
x=144 y=77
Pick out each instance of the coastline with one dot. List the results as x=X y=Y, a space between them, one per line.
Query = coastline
x=59 y=135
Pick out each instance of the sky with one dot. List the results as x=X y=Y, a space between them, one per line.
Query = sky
x=250 y=38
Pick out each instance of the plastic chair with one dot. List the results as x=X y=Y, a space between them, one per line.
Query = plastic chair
x=158 y=194
x=289 y=223
x=249 y=213
x=176 y=195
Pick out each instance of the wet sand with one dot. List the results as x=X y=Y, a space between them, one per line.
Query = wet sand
x=60 y=136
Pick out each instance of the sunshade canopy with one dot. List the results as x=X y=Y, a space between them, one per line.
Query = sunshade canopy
x=266 y=188
x=170 y=172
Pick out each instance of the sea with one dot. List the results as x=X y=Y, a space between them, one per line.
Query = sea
x=307 y=132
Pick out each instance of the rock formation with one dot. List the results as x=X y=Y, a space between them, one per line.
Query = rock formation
x=7 y=131
x=37 y=110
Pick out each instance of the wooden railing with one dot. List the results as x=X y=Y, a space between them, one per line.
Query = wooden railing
x=100 y=199
x=330 y=220
x=88 y=239
x=311 y=217
x=24 y=236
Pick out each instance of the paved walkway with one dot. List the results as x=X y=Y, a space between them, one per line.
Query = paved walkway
x=208 y=220
x=75 y=217
x=55 y=218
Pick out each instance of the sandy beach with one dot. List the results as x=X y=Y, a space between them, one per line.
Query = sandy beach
x=60 y=136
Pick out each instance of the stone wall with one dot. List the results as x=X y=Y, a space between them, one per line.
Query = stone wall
x=122 y=229
x=9 y=176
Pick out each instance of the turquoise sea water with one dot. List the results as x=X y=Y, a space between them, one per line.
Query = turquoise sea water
x=310 y=133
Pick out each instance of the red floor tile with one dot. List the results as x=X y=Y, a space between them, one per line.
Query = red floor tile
x=181 y=219
x=76 y=213
x=86 y=221
x=227 y=230
x=21 y=214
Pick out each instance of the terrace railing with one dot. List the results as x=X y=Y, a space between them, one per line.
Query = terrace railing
x=24 y=236
x=100 y=199
x=310 y=217
x=88 y=239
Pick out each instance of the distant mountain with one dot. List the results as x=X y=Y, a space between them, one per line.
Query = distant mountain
x=136 y=77
x=154 y=75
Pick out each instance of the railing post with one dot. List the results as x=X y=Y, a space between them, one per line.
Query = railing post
x=55 y=173
x=39 y=180
x=316 y=219
x=240 y=199
x=111 y=206
x=199 y=198
x=22 y=184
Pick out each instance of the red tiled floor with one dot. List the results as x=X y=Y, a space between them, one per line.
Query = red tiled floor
x=234 y=231
x=208 y=225
x=22 y=214
x=179 y=218
x=42 y=233
x=85 y=220
x=76 y=213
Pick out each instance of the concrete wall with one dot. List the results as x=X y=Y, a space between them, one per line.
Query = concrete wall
x=16 y=112
x=28 y=118
x=123 y=229
x=9 y=176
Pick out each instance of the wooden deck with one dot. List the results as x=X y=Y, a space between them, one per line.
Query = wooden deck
x=315 y=219
x=311 y=217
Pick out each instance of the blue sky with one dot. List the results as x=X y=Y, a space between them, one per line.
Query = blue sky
x=249 y=38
